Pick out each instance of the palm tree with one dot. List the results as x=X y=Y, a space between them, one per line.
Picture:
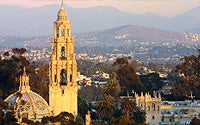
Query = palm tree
x=106 y=106
x=112 y=87
x=128 y=106
x=139 y=116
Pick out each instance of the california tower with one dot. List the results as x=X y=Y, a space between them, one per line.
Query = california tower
x=63 y=90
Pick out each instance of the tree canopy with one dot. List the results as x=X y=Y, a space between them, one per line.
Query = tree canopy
x=189 y=69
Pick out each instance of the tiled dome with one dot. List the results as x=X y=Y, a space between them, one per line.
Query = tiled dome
x=27 y=103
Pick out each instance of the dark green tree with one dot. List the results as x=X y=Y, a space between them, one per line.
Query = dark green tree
x=79 y=120
x=83 y=107
x=8 y=73
x=90 y=93
x=112 y=88
x=89 y=68
x=106 y=107
x=39 y=79
x=65 y=118
x=126 y=75
x=128 y=106
x=189 y=68
x=139 y=116
x=152 y=82
x=122 y=120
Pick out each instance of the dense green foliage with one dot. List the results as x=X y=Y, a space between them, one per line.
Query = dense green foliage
x=128 y=106
x=89 y=68
x=126 y=74
x=151 y=82
x=10 y=70
x=189 y=69
x=12 y=67
x=123 y=80
x=106 y=106
x=129 y=80
x=115 y=110
x=90 y=93
x=6 y=118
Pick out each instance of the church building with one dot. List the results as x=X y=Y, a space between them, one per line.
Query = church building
x=63 y=89
x=26 y=103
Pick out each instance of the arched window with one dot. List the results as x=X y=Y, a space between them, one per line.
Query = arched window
x=63 y=79
x=57 y=33
x=153 y=107
x=70 y=77
x=63 y=52
x=55 y=77
x=63 y=32
x=158 y=108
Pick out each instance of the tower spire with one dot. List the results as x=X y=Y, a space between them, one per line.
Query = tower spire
x=62 y=14
x=24 y=82
x=24 y=71
x=62 y=5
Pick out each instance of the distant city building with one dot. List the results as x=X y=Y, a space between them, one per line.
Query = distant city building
x=167 y=112
x=166 y=90
x=151 y=105
x=83 y=80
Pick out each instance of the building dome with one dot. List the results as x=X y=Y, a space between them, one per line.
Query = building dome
x=62 y=14
x=26 y=103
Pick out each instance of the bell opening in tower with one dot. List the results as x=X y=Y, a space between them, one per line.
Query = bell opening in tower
x=63 y=53
x=63 y=77
x=55 y=77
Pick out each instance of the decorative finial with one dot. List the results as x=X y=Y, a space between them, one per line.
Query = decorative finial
x=62 y=5
x=62 y=14
x=24 y=82
x=24 y=71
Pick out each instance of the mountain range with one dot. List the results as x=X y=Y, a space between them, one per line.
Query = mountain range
x=28 y=22
x=127 y=35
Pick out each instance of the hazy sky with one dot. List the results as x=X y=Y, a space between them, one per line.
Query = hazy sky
x=161 y=7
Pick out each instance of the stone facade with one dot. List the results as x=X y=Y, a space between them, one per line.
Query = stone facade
x=26 y=103
x=63 y=89
x=167 y=112
x=179 y=112
x=152 y=106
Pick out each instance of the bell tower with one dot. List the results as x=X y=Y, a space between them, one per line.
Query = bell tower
x=24 y=82
x=63 y=89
